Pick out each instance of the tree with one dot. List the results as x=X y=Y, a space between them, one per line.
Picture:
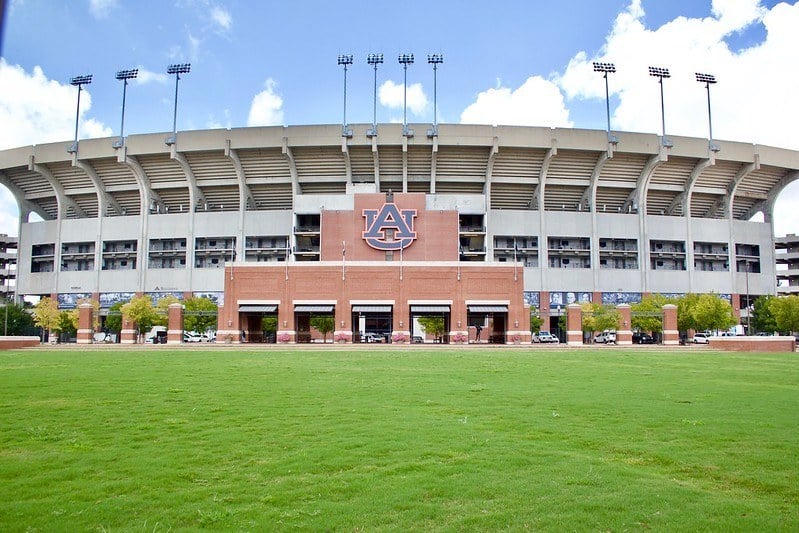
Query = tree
x=786 y=313
x=45 y=314
x=647 y=315
x=199 y=322
x=67 y=323
x=535 y=320
x=432 y=325
x=685 y=314
x=762 y=316
x=162 y=310
x=711 y=312
x=598 y=317
x=113 y=322
x=140 y=310
x=16 y=320
x=323 y=324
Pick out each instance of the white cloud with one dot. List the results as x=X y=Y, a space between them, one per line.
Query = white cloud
x=222 y=18
x=148 y=76
x=35 y=110
x=266 y=108
x=753 y=100
x=538 y=102
x=391 y=96
x=100 y=9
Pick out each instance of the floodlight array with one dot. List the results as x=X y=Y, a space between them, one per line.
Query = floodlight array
x=659 y=72
x=604 y=67
x=405 y=59
x=705 y=78
x=345 y=59
x=127 y=74
x=435 y=59
x=374 y=59
x=81 y=80
x=178 y=68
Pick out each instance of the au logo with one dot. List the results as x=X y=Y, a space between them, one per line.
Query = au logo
x=389 y=217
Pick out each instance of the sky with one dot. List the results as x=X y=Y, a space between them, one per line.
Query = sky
x=513 y=62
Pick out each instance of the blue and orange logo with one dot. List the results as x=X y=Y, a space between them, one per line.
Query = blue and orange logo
x=389 y=217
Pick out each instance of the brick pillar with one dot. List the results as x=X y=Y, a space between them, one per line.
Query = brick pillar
x=128 y=333
x=342 y=328
x=85 y=319
x=574 y=325
x=285 y=323
x=623 y=333
x=174 y=329
x=671 y=335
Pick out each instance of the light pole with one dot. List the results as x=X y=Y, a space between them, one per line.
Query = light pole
x=374 y=59
x=707 y=79
x=405 y=60
x=605 y=69
x=661 y=73
x=435 y=60
x=79 y=82
x=124 y=75
x=177 y=69
x=345 y=60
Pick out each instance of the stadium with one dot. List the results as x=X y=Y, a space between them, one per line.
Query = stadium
x=472 y=223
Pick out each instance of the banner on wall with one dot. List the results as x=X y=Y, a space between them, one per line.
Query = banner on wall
x=558 y=300
x=108 y=299
x=70 y=300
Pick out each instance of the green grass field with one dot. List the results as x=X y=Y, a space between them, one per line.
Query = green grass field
x=409 y=439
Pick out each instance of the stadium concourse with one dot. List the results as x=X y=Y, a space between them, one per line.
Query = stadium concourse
x=474 y=225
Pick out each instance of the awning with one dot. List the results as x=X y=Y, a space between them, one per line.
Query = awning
x=488 y=308
x=313 y=308
x=429 y=309
x=257 y=308
x=371 y=308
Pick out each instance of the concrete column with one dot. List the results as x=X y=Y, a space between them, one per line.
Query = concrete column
x=128 y=333
x=574 y=325
x=174 y=329
x=85 y=319
x=623 y=333
x=671 y=334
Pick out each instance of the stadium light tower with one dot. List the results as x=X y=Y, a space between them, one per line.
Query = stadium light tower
x=605 y=69
x=79 y=82
x=124 y=75
x=405 y=60
x=374 y=59
x=707 y=79
x=177 y=69
x=345 y=60
x=661 y=73
x=435 y=60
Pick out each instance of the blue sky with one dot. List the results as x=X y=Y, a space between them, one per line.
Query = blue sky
x=508 y=62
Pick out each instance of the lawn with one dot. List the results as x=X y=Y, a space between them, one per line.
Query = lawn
x=408 y=439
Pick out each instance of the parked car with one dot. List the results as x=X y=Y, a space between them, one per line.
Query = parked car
x=416 y=339
x=371 y=336
x=191 y=336
x=606 y=337
x=701 y=338
x=545 y=337
x=639 y=337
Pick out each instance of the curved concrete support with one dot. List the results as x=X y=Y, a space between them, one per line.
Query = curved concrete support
x=246 y=198
x=104 y=200
x=376 y=163
x=196 y=196
x=433 y=158
x=345 y=151
x=640 y=194
x=25 y=207
x=295 y=181
x=538 y=200
x=589 y=201
x=64 y=201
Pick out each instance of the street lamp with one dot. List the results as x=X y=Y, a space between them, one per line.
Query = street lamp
x=79 y=82
x=345 y=60
x=405 y=60
x=177 y=69
x=435 y=60
x=124 y=75
x=607 y=68
x=374 y=59
x=661 y=73
x=707 y=79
